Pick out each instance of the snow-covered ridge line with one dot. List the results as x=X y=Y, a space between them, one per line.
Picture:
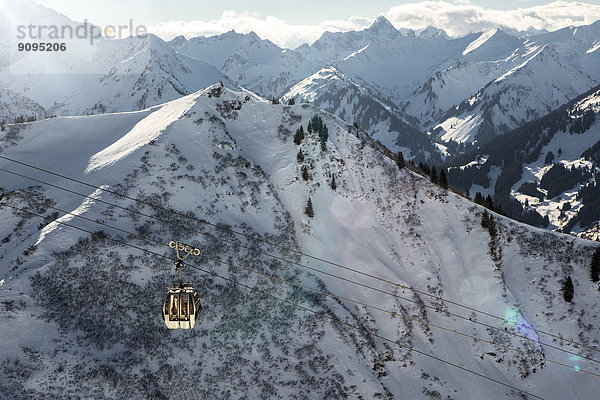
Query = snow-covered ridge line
x=145 y=131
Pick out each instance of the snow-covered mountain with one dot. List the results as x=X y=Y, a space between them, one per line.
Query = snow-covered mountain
x=466 y=89
x=14 y=105
x=258 y=65
x=116 y=75
x=333 y=91
x=81 y=313
x=530 y=90
x=336 y=46
x=554 y=173
x=452 y=90
x=94 y=75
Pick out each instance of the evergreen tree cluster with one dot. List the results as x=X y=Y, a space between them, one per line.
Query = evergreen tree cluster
x=305 y=175
x=593 y=153
x=530 y=139
x=400 y=160
x=487 y=202
x=560 y=178
x=589 y=195
x=549 y=158
x=23 y=118
x=582 y=121
x=474 y=174
x=440 y=179
x=531 y=189
x=488 y=222
x=316 y=125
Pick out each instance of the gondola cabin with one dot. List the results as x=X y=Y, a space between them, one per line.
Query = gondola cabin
x=181 y=306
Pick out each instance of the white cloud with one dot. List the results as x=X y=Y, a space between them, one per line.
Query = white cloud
x=267 y=27
x=458 y=18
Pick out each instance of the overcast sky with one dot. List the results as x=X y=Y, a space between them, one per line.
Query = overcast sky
x=290 y=23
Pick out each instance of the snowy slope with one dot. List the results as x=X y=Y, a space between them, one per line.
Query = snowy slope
x=530 y=90
x=554 y=173
x=14 y=105
x=228 y=157
x=492 y=45
x=331 y=90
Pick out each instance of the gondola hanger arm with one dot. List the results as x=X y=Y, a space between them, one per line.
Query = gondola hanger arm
x=183 y=250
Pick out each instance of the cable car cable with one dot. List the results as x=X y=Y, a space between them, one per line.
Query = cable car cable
x=541 y=358
x=434 y=308
x=538 y=331
x=335 y=320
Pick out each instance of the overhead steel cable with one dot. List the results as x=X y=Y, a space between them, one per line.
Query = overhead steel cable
x=302 y=286
x=319 y=314
x=538 y=331
x=434 y=308
x=155 y=206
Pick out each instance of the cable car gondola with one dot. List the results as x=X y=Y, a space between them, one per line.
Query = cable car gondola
x=182 y=304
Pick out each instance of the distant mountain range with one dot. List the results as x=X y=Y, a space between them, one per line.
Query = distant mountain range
x=435 y=98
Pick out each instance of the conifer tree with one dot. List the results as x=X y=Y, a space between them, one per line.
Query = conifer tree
x=300 y=156
x=400 y=160
x=489 y=203
x=323 y=136
x=291 y=102
x=568 y=290
x=305 y=174
x=478 y=198
x=443 y=179
x=309 y=209
x=595 y=265
x=299 y=136
x=333 y=184
x=433 y=176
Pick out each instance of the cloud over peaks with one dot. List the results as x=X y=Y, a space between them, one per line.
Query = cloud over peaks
x=458 y=18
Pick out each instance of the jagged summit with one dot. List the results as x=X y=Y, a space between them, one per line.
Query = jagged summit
x=382 y=24
x=431 y=32
x=177 y=41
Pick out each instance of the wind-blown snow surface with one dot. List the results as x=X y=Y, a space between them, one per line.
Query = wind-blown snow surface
x=81 y=312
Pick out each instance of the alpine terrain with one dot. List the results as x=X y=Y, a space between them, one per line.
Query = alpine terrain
x=244 y=180
x=383 y=213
